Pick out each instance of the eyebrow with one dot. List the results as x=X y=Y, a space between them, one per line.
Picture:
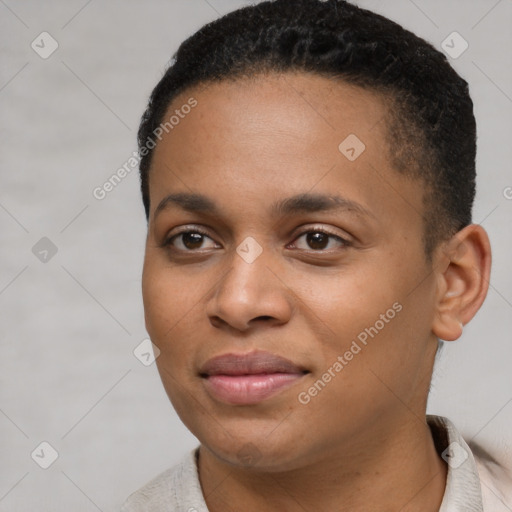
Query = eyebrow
x=300 y=203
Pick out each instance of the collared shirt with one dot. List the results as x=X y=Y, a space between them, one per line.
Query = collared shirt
x=474 y=483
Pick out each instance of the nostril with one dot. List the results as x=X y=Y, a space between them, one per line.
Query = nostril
x=216 y=321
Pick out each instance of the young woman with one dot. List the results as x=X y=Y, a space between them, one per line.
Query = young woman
x=308 y=174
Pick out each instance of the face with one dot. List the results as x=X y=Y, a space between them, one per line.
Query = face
x=285 y=281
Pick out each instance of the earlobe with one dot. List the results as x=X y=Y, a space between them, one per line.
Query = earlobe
x=463 y=270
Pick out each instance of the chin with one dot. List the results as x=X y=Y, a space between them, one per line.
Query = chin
x=247 y=448
x=255 y=457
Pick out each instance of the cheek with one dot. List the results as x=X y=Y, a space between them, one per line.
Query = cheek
x=349 y=302
x=167 y=310
x=374 y=321
x=175 y=319
x=166 y=301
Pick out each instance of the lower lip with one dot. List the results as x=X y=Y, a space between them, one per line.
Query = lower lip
x=248 y=389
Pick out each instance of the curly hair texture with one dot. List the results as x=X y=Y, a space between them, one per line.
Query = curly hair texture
x=431 y=128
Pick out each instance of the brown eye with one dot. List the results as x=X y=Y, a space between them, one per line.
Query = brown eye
x=319 y=240
x=188 y=241
x=192 y=240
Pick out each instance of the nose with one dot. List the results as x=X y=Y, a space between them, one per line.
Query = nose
x=249 y=294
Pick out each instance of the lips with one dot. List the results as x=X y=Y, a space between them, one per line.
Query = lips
x=245 y=379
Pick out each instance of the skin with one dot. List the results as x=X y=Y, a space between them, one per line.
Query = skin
x=362 y=443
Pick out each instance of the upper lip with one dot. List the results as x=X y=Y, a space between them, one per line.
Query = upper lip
x=253 y=363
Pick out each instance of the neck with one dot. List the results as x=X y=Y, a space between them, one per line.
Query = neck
x=398 y=469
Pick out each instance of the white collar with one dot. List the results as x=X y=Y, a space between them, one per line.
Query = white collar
x=473 y=483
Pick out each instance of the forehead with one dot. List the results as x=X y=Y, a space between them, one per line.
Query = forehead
x=249 y=141
x=297 y=106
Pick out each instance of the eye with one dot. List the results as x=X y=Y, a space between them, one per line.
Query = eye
x=189 y=241
x=320 y=240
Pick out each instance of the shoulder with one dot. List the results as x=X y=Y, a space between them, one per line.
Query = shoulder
x=176 y=488
x=495 y=478
x=475 y=476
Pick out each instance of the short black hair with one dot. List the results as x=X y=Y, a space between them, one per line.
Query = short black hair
x=431 y=128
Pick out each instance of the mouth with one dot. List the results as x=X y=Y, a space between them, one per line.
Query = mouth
x=246 y=379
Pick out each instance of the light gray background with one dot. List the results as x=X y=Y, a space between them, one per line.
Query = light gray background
x=68 y=327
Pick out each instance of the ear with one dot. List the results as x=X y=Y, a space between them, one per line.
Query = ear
x=463 y=270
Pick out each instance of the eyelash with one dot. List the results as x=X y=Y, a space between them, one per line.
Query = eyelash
x=168 y=243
